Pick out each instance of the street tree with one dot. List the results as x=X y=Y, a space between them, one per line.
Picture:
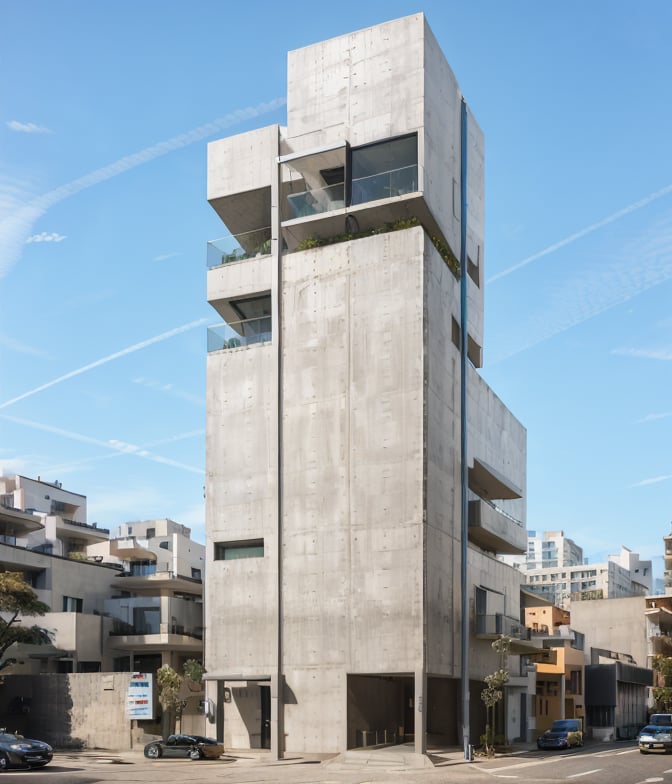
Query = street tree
x=17 y=601
x=494 y=692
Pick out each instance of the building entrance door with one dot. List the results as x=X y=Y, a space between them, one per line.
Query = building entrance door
x=265 y=717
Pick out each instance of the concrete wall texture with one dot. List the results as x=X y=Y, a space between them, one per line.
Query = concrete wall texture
x=69 y=710
x=333 y=449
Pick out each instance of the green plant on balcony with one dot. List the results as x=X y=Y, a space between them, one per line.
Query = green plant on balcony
x=399 y=225
x=447 y=255
x=263 y=249
x=317 y=242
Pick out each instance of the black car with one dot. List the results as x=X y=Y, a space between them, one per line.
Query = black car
x=19 y=752
x=192 y=746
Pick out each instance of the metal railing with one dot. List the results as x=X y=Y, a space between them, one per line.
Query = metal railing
x=502 y=624
x=90 y=526
x=377 y=737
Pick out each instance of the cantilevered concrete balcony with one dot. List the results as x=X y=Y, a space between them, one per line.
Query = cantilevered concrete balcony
x=15 y=523
x=86 y=533
x=491 y=627
x=492 y=529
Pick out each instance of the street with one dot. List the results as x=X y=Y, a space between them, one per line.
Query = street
x=616 y=763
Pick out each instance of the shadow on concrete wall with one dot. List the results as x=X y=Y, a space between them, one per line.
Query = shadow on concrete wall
x=39 y=706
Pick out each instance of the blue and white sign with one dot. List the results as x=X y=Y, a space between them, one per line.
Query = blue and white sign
x=140 y=696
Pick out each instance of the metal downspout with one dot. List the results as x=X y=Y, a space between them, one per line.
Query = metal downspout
x=463 y=436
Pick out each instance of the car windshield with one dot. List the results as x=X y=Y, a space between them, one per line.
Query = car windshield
x=564 y=726
x=7 y=737
x=653 y=730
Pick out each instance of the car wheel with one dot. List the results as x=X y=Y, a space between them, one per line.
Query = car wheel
x=641 y=751
x=153 y=751
x=195 y=754
x=4 y=762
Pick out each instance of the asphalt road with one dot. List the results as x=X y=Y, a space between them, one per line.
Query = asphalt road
x=603 y=764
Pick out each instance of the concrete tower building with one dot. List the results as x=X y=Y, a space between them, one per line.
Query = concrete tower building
x=333 y=496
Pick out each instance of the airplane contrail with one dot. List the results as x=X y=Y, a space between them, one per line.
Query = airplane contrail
x=15 y=228
x=104 y=360
x=118 y=447
x=577 y=235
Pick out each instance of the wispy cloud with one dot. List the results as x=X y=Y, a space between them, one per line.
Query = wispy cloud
x=583 y=232
x=166 y=256
x=22 y=127
x=653 y=480
x=654 y=417
x=664 y=354
x=21 y=348
x=169 y=389
x=76 y=465
x=45 y=237
x=116 y=445
x=17 y=226
x=583 y=287
x=104 y=360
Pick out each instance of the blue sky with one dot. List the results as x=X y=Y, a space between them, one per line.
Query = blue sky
x=105 y=112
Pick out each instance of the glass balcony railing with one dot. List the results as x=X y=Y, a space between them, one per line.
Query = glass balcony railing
x=498 y=624
x=238 y=247
x=316 y=201
x=152 y=615
x=239 y=333
x=385 y=185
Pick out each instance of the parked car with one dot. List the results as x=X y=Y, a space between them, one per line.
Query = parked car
x=192 y=746
x=661 y=719
x=655 y=738
x=19 y=752
x=563 y=734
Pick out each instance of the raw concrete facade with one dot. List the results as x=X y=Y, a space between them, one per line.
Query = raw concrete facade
x=333 y=600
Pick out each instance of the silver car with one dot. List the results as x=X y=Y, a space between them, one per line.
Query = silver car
x=654 y=739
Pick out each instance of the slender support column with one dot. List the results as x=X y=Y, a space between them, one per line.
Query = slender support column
x=420 y=708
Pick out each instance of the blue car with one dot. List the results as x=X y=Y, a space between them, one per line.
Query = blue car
x=563 y=734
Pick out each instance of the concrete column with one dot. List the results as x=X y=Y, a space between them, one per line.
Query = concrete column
x=420 y=711
x=276 y=719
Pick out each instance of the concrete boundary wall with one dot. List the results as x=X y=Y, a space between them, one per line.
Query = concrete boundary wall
x=73 y=710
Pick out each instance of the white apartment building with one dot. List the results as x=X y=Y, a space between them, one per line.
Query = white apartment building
x=333 y=494
x=621 y=575
x=132 y=602
x=156 y=602
x=551 y=549
x=44 y=535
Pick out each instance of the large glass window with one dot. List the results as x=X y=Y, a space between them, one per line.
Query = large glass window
x=384 y=169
